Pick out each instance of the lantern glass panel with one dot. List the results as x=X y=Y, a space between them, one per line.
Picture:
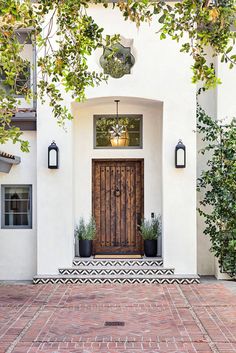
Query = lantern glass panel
x=53 y=158
x=180 y=157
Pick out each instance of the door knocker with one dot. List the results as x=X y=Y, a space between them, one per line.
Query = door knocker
x=117 y=192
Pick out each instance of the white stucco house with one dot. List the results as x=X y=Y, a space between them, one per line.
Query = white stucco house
x=40 y=206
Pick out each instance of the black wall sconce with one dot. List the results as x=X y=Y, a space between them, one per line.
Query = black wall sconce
x=53 y=156
x=180 y=155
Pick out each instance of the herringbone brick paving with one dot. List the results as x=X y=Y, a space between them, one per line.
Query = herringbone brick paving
x=158 y=318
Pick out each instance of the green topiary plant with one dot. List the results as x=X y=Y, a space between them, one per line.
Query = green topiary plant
x=151 y=229
x=86 y=231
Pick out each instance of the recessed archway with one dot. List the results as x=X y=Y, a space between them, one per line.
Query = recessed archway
x=151 y=151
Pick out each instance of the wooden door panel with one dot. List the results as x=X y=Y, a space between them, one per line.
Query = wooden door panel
x=102 y=206
x=108 y=206
x=132 y=208
x=113 y=205
x=96 y=198
x=123 y=201
x=117 y=205
x=118 y=208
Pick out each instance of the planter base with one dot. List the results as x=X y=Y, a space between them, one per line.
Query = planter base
x=85 y=248
x=150 y=248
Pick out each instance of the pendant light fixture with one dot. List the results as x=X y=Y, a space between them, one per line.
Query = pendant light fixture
x=117 y=130
x=119 y=135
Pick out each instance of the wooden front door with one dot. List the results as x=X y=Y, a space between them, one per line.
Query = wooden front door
x=118 y=205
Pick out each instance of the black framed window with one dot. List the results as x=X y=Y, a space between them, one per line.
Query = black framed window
x=16 y=206
x=131 y=136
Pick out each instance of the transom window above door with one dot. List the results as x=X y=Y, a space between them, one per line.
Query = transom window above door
x=126 y=132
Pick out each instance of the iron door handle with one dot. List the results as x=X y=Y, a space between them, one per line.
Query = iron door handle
x=139 y=220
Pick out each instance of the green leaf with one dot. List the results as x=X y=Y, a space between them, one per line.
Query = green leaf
x=229 y=49
x=162 y=19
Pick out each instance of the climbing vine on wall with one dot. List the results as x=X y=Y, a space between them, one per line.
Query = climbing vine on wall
x=196 y=24
x=218 y=182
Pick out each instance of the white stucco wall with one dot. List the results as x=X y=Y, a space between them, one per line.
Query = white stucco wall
x=161 y=76
x=160 y=73
x=18 y=251
x=151 y=151
x=226 y=102
x=55 y=196
x=206 y=260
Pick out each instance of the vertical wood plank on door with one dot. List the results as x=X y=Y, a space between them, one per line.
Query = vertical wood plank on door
x=113 y=205
x=118 y=205
x=138 y=201
x=96 y=203
x=133 y=210
x=108 y=206
x=128 y=206
x=103 y=206
x=123 y=205
x=142 y=196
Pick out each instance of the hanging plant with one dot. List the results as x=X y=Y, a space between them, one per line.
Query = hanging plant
x=218 y=183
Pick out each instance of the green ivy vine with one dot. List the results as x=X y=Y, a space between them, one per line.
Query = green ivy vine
x=218 y=182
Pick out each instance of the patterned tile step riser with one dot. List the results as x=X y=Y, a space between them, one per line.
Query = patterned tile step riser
x=121 y=263
x=116 y=280
x=109 y=271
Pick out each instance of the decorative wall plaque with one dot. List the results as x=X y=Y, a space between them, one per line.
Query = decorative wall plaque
x=117 y=60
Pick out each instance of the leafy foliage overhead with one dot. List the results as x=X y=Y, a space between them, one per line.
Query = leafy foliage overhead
x=218 y=182
x=65 y=62
x=198 y=24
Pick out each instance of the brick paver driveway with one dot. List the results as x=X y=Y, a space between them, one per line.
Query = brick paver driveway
x=156 y=318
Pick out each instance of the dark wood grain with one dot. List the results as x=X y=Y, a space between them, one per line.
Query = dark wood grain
x=118 y=205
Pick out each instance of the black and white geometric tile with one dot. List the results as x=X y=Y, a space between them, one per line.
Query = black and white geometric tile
x=110 y=262
x=102 y=271
x=117 y=271
x=166 y=280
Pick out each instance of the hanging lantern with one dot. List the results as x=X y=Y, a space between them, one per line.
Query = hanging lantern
x=120 y=141
x=119 y=134
x=53 y=156
x=180 y=155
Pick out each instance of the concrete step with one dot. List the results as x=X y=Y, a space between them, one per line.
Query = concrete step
x=114 y=270
x=122 y=279
x=143 y=262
